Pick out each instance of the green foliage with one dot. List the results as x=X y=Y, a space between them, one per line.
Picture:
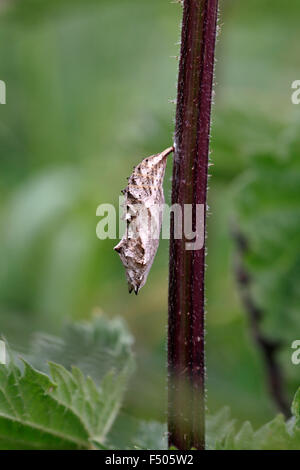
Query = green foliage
x=72 y=398
x=85 y=103
x=60 y=411
x=278 y=434
x=268 y=201
x=64 y=409
x=96 y=348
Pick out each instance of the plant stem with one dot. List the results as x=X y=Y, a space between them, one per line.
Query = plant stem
x=186 y=388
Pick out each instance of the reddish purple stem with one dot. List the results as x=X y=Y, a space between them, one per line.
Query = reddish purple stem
x=186 y=362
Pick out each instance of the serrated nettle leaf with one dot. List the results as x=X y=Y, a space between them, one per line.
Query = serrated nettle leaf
x=218 y=427
x=65 y=409
x=95 y=348
x=62 y=411
x=278 y=434
x=30 y=415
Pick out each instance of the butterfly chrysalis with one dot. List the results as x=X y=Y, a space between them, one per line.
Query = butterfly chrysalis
x=144 y=199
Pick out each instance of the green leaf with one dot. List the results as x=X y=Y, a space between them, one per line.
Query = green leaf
x=31 y=417
x=65 y=409
x=218 y=427
x=278 y=434
x=95 y=347
x=296 y=407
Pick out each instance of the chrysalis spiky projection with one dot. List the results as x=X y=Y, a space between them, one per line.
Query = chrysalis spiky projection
x=144 y=199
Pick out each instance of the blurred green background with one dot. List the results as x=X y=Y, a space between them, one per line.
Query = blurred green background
x=89 y=90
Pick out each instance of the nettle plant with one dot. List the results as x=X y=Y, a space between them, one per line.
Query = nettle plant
x=68 y=393
x=75 y=400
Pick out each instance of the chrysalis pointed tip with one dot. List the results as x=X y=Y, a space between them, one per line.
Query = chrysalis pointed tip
x=117 y=248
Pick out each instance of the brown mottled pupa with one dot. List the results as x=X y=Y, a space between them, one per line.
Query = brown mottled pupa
x=144 y=199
